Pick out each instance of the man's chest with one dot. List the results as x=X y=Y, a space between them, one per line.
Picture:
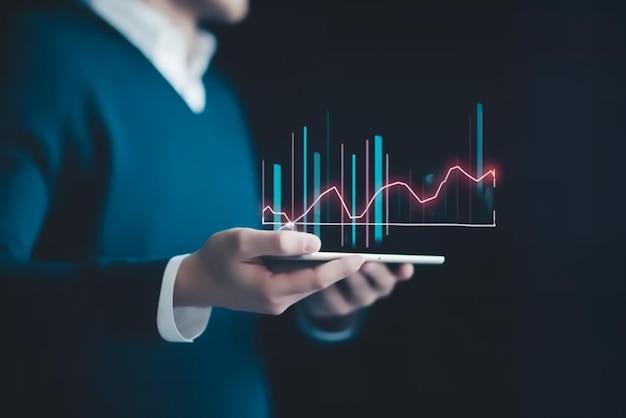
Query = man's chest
x=171 y=183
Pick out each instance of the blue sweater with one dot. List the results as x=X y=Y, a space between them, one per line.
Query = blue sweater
x=105 y=174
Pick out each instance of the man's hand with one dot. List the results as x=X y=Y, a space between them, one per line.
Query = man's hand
x=229 y=272
x=371 y=283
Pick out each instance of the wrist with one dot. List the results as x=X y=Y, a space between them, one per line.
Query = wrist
x=328 y=328
x=188 y=289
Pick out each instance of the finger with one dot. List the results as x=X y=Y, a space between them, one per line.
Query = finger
x=255 y=243
x=313 y=279
x=405 y=271
x=380 y=277
x=358 y=291
x=329 y=302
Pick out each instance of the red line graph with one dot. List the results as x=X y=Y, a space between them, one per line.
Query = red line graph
x=292 y=221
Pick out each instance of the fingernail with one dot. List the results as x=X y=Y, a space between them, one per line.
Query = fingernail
x=312 y=244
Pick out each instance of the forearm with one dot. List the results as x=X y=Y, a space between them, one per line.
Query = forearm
x=91 y=299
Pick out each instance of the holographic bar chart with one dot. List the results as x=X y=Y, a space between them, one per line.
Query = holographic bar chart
x=365 y=196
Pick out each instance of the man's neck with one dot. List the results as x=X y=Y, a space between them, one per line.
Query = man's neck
x=178 y=14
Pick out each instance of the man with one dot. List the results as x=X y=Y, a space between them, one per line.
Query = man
x=116 y=137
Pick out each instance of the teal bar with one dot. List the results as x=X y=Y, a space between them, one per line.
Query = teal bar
x=479 y=145
x=316 y=193
x=304 y=191
x=353 y=200
x=277 y=195
x=378 y=184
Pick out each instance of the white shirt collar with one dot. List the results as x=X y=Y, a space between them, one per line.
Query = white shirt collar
x=181 y=63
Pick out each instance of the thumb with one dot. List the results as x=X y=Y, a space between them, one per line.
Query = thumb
x=256 y=243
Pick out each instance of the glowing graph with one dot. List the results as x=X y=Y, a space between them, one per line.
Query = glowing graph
x=385 y=203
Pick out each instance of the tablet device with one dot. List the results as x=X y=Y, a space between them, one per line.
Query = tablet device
x=380 y=258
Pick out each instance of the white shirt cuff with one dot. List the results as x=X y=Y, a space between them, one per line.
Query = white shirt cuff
x=180 y=324
x=326 y=336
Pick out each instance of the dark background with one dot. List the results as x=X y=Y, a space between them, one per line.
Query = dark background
x=447 y=343
x=528 y=319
